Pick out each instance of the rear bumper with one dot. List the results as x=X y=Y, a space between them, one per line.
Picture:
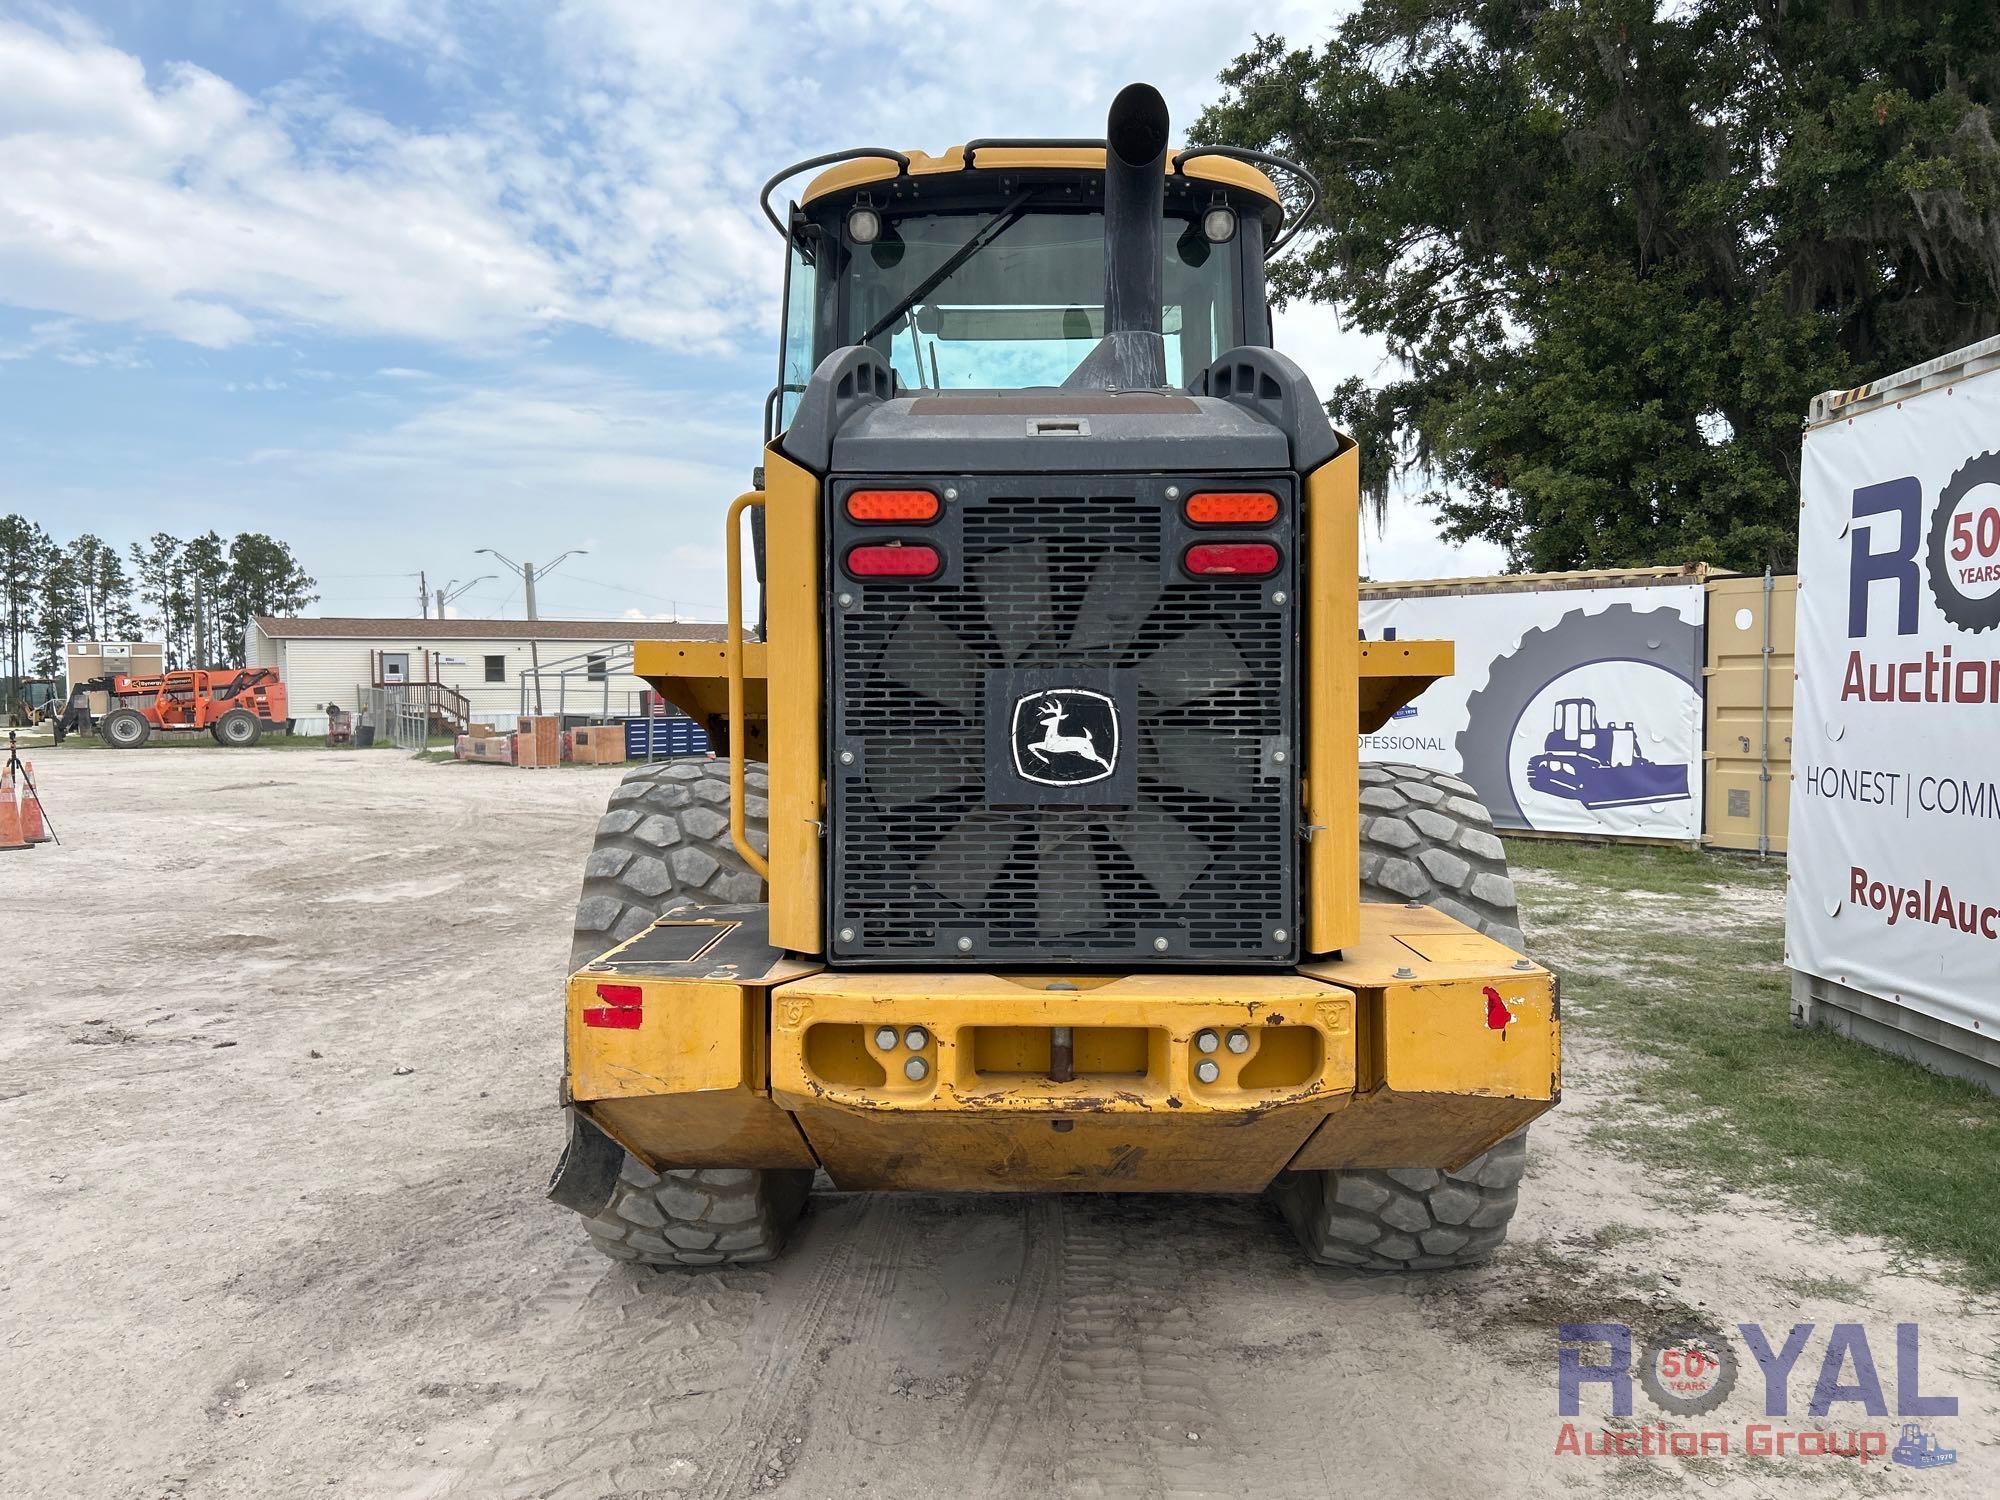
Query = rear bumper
x=991 y=1108
x=1421 y=1045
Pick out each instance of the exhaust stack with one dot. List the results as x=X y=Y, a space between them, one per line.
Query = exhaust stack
x=1135 y=136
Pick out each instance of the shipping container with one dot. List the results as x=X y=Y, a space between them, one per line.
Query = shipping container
x=87 y=660
x=1747 y=693
x=1892 y=925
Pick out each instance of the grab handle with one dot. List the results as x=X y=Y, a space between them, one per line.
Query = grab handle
x=732 y=654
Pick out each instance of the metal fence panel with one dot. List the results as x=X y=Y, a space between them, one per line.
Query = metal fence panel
x=399 y=715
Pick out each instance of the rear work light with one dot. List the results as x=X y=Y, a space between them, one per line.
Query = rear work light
x=881 y=507
x=622 y=1009
x=894 y=560
x=1241 y=559
x=1232 y=508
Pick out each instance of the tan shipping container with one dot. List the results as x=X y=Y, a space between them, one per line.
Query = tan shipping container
x=85 y=661
x=1748 y=703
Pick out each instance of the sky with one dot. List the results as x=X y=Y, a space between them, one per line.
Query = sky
x=397 y=279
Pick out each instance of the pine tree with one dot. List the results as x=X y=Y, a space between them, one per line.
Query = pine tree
x=264 y=578
x=160 y=587
x=104 y=590
x=204 y=569
x=59 y=615
x=23 y=547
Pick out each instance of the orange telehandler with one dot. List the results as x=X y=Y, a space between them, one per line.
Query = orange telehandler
x=235 y=705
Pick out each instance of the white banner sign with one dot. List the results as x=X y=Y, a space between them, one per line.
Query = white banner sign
x=1571 y=710
x=1895 y=852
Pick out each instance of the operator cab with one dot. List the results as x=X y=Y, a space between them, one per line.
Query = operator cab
x=985 y=268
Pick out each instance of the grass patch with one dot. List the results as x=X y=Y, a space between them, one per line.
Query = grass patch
x=1824 y=1289
x=1611 y=1236
x=1734 y=1092
x=1627 y=868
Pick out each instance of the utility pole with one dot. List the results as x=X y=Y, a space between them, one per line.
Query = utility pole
x=455 y=589
x=529 y=573
x=424 y=597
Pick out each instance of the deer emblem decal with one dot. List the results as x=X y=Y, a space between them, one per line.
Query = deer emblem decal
x=1078 y=742
x=1055 y=742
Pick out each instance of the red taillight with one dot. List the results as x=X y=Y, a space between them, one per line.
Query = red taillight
x=1243 y=559
x=894 y=560
x=1232 y=508
x=877 y=507
x=622 y=1010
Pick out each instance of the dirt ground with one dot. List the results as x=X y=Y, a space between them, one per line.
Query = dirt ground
x=277 y=1102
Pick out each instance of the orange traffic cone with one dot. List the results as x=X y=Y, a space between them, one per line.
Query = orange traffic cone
x=10 y=816
x=33 y=829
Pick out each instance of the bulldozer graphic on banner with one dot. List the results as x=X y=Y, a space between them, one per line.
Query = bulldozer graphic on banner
x=1600 y=765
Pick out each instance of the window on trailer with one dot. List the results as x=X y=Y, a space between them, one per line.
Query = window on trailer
x=496 y=669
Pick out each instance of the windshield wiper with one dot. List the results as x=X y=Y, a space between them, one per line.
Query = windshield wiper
x=988 y=232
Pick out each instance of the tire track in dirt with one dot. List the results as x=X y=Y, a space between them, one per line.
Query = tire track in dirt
x=845 y=1300
x=1012 y=1390
x=1133 y=1382
x=586 y=1425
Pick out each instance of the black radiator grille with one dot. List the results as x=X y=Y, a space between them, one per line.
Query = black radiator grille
x=1181 y=854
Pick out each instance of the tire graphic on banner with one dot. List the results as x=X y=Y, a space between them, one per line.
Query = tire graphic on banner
x=1657 y=638
x=1974 y=612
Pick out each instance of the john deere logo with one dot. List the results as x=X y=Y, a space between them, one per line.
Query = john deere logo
x=1065 y=737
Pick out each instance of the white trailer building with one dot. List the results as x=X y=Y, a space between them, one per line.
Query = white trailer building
x=496 y=666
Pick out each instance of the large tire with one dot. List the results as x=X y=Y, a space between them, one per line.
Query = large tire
x=124 y=729
x=1406 y=1219
x=714 y=1216
x=238 y=729
x=664 y=841
x=1425 y=837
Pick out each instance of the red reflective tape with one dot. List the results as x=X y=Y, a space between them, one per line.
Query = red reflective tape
x=1497 y=1014
x=616 y=1017
x=1242 y=559
x=621 y=994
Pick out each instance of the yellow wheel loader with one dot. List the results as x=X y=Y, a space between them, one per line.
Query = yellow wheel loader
x=1042 y=859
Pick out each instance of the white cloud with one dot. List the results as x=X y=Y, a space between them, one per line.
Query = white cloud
x=189 y=209
x=407 y=23
x=1326 y=349
x=1407 y=545
x=69 y=340
x=561 y=434
x=618 y=192
x=622 y=198
x=557 y=459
